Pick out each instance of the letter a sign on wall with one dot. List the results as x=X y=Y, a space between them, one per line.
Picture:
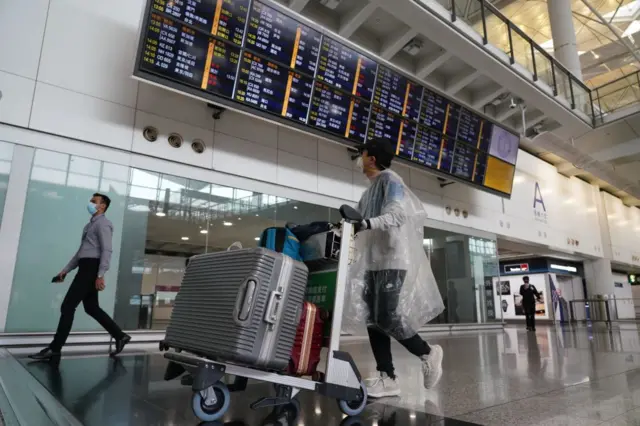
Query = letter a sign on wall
x=539 y=209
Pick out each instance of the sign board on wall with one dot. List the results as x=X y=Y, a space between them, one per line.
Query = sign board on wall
x=519 y=267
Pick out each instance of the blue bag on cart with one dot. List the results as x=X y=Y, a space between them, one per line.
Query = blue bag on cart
x=281 y=240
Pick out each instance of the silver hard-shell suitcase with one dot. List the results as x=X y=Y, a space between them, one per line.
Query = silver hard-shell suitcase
x=241 y=306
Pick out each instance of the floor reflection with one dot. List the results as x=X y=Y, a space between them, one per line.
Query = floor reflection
x=102 y=391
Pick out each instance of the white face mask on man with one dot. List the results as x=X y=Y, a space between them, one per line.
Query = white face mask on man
x=360 y=164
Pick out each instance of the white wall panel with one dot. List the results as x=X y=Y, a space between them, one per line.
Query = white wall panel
x=333 y=153
x=22 y=26
x=297 y=172
x=83 y=117
x=249 y=128
x=297 y=143
x=335 y=181
x=16 y=94
x=161 y=148
x=89 y=47
x=245 y=158
x=166 y=103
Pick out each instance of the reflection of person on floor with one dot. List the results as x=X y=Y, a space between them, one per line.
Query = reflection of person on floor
x=92 y=260
x=389 y=212
x=529 y=295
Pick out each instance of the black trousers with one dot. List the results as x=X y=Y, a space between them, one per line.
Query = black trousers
x=530 y=315
x=83 y=289
x=382 y=294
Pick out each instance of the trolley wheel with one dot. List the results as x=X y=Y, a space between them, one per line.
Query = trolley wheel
x=211 y=413
x=353 y=408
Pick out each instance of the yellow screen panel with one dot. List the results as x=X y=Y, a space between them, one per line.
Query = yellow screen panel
x=499 y=175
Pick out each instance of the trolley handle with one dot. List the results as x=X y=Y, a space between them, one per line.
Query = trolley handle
x=349 y=214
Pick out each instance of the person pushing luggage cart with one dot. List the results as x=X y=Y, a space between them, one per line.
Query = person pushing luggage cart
x=238 y=313
x=391 y=287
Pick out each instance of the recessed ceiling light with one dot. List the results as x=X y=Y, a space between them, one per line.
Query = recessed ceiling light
x=295 y=207
x=204 y=231
x=257 y=214
x=161 y=214
x=257 y=238
x=227 y=223
x=239 y=218
x=185 y=238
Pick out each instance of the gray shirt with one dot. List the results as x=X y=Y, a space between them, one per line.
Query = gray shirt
x=95 y=244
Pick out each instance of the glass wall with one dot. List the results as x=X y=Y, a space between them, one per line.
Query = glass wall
x=159 y=221
x=6 y=155
x=169 y=218
x=55 y=213
x=463 y=267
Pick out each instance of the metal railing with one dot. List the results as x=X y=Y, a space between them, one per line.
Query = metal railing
x=604 y=309
x=522 y=50
x=616 y=95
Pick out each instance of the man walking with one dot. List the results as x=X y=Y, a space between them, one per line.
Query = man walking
x=395 y=288
x=529 y=295
x=92 y=260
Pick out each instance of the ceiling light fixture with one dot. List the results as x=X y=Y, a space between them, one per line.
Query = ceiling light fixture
x=204 y=231
x=295 y=207
x=161 y=214
x=227 y=223
x=185 y=238
x=257 y=238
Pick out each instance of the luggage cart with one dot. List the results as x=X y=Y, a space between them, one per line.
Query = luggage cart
x=342 y=380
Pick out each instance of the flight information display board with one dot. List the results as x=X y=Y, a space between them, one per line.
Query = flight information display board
x=258 y=54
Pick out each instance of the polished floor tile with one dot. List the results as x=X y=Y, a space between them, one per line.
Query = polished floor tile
x=556 y=376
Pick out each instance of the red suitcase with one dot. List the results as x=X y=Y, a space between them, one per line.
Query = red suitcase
x=305 y=355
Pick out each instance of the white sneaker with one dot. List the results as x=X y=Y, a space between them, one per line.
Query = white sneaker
x=383 y=386
x=432 y=367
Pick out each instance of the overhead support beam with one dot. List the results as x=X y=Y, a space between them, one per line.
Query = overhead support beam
x=613 y=29
x=484 y=97
x=506 y=112
x=394 y=44
x=461 y=82
x=353 y=20
x=297 y=5
x=531 y=121
x=625 y=149
x=432 y=63
x=568 y=169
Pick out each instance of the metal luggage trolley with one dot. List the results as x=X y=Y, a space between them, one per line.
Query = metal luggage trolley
x=342 y=380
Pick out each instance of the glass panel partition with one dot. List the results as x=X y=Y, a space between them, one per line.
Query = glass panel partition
x=464 y=268
x=495 y=28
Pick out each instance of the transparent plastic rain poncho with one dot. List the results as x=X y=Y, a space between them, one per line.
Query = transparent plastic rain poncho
x=390 y=282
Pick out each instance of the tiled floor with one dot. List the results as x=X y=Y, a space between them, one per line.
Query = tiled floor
x=552 y=377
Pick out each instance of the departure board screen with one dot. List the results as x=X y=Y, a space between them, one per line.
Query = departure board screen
x=266 y=85
x=182 y=54
x=338 y=112
x=344 y=68
x=262 y=58
x=397 y=94
x=223 y=18
x=277 y=36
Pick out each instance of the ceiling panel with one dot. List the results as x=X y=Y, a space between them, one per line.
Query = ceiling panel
x=382 y=25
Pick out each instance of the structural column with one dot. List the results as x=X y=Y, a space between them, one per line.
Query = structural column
x=564 y=35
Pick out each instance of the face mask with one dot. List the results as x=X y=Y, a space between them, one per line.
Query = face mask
x=92 y=208
x=360 y=164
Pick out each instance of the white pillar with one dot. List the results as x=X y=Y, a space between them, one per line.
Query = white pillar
x=598 y=273
x=564 y=35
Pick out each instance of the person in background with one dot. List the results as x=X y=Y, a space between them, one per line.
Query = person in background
x=387 y=207
x=92 y=260
x=529 y=295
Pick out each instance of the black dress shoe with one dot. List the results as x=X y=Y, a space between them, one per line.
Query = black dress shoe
x=47 y=354
x=120 y=344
